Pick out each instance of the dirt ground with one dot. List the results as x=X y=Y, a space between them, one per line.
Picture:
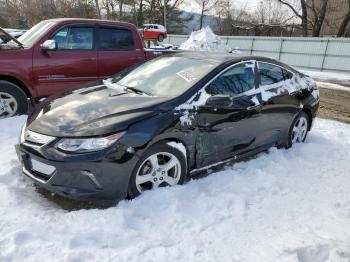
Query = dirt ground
x=335 y=104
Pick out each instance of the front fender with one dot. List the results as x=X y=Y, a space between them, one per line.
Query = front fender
x=17 y=64
x=162 y=127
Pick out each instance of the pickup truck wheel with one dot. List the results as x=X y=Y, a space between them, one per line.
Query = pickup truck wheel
x=160 y=38
x=13 y=101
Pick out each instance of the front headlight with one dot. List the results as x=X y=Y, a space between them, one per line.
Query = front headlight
x=82 y=145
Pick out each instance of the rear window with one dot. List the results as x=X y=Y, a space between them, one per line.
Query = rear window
x=113 y=39
x=270 y=74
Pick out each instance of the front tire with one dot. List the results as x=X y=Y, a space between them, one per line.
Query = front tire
x=161 y=165
x=160 y=38
x=13 y=101
x=299 y=129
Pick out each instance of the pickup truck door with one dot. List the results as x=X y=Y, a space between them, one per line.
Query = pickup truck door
x=117 y=49
x=73 y=63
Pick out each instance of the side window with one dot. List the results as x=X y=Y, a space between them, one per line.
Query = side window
x=61 y=38
x=235 y=81
x=287 y=74
x=74 y=38
x=112 y=39
x=270 y=74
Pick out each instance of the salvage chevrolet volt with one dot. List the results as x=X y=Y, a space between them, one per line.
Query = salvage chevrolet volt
x=160 y=122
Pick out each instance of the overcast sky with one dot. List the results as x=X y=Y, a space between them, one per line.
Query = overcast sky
x=251 y=4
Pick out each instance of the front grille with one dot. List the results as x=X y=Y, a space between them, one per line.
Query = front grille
x=38 y=171
x=40 y=176
x=36 y=175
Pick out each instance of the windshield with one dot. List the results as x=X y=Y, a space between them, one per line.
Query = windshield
x=165 y=76
x=32 y=35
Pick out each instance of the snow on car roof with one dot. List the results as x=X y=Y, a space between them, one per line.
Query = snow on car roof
x=222 y=57
x=153 y=24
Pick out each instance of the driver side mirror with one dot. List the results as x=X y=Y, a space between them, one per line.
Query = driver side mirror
x=49 y=45
x=219 y=101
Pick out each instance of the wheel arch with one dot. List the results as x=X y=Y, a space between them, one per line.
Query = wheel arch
x=190 y=154
x=309 y=114
x=161 y=34
x=17 y=82
x=171 y=139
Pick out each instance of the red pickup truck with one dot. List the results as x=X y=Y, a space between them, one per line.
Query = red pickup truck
x=59 y=54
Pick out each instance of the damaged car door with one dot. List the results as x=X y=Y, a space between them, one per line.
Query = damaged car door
x=229 y=122
x=279 y=102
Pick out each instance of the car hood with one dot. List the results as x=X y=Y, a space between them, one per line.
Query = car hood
x=92 y=111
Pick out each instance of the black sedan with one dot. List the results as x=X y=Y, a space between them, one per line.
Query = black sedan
x=158 y=123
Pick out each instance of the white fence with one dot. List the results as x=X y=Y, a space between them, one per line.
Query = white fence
x=323 y=54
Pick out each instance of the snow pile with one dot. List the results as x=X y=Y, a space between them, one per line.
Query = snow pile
x=204 y=40
x=285 y=205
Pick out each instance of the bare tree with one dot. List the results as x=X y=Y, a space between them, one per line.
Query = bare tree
x=271 y=12
x=98 y=10
x=26 y=13
x=121 y=3
x=205 y=8
x=223 y=16
x=299 y=8
x=319 y=14
x=311 y=12
x=345 y=22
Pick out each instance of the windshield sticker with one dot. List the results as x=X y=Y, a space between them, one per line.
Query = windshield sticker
x=186 y=76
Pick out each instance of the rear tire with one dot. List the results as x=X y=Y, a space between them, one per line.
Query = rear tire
x=161 y=165
x=13 y=101
x=160 y=38
x=299 y=129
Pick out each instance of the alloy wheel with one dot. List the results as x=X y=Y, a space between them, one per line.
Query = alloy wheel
x=299 y=130
x=158 y=170
x=8 y=105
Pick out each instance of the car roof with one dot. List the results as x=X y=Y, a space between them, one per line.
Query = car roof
x=87 y=20
x=219 y=57
x=222 y=58
x=152 y=24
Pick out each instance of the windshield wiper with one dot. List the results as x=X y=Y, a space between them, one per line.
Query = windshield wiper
x=137 y=91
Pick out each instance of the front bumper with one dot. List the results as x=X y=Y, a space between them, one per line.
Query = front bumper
x=79 y=179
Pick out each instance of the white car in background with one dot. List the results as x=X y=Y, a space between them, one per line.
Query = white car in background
x=14 y=32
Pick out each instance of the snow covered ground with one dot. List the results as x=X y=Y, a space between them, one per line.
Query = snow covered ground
x=324 y=76
x=285 y=205
x=331 y=80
